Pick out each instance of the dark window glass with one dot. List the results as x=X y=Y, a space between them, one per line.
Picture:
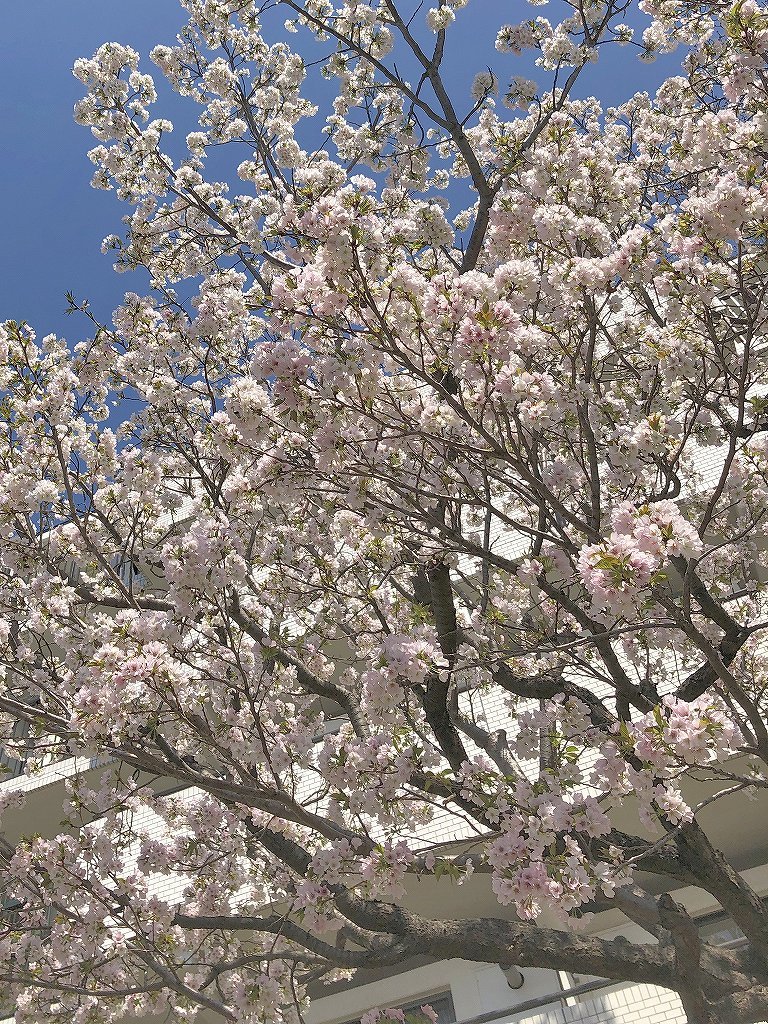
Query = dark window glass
x=719 y=930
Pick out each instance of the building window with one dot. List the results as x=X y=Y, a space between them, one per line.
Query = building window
x=720 y=930
x=442 y=1004
x=12 y=761
x=129 y=575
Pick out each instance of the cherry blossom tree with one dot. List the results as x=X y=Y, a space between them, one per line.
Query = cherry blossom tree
x=411 y=528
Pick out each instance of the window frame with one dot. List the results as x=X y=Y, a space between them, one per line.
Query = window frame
x=443 y=995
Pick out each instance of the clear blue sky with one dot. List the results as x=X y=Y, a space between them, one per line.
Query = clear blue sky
x=53 y=222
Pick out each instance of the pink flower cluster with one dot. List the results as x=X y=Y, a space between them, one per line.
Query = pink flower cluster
x=402 y=659
x=618 y=572
x=682 y=732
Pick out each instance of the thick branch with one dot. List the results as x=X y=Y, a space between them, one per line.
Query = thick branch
x=686 y=946
x=718 y=877
x=493 y=940
x=546 y=686
x=699 y=681
x=384 y=953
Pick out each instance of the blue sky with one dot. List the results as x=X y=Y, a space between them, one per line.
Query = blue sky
x=53 y=222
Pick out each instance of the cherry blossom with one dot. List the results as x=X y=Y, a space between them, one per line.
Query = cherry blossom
x=411 y=529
